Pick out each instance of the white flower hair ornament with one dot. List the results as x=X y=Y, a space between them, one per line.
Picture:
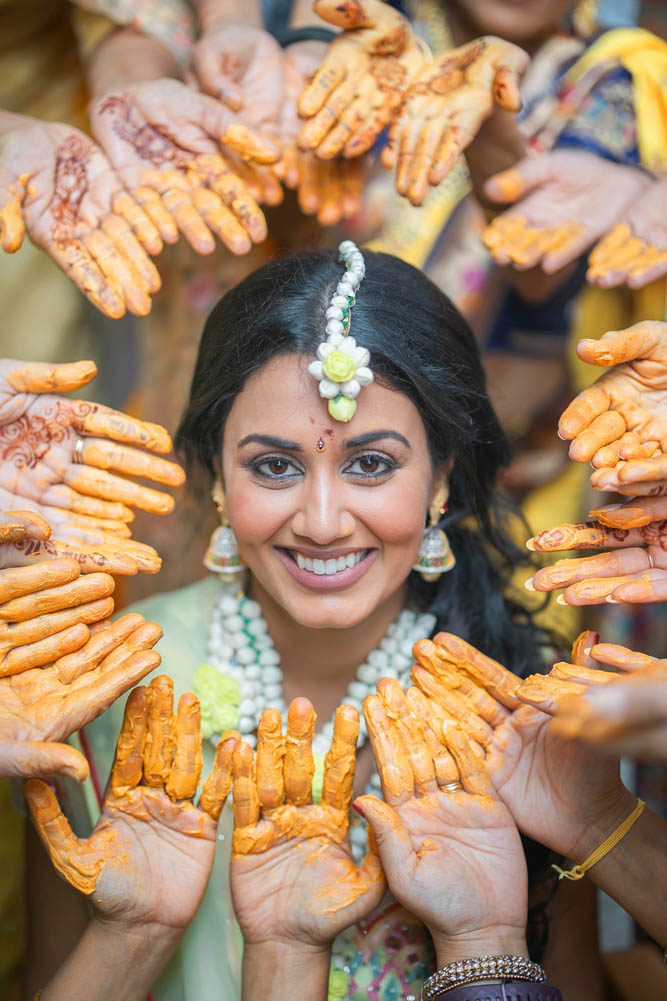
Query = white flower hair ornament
x=342 y=366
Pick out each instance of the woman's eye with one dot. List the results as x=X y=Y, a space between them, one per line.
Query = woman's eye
x=275 y=467
x=371 y=465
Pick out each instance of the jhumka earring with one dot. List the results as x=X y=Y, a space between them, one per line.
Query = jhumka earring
x=435 y=554
x=222 y=555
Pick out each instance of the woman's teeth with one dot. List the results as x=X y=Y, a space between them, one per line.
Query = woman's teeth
x=330 y=567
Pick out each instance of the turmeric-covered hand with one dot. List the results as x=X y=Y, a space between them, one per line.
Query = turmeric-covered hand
x=56 y=454
x=293 y=876
x=163 y=139
x=444 y=107
x=360 y=84
x=620 y=422
x=452 y=855
x=557 y=792
x=87 y=669
x=331 y=189
x=59 y=186
x=565 y=200
x=634 y=253
x=634 y=571
x=625 y=715
x=150 y=855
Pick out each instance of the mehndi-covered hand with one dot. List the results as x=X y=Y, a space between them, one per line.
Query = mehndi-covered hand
x=162 y=137
x=452 y=854
x=56 y=455
x=293 y=876
x=58 y=185
x=565 y=200
x=557 y=792
x=359 y=86
x=89 y=669
x=331 y=189
x=634 y=571
x=150 y=855
x=627 y=716
x=620 y=422
x=444 y=107
x=634 y=253
x=243 y=67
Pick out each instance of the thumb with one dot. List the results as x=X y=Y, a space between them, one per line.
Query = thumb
x=643 y=340
x=73 y=859
x=389 y=837
x=509 y=185
x=41 y=377
x=12 y=226
x=250 y=145
x=23 y=759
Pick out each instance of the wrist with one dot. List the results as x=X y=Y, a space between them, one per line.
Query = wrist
x=127 y=57
x=598 y=828
x=495 y=940
x=276 y=969
x=136 y=937
x=214 y=15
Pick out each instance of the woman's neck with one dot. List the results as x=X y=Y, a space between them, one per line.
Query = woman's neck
x=320 y=663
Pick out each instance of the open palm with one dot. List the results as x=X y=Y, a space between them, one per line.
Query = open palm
x=293 y=875
x=452 y=853
x=74 y=205
x=360 y=84
x=150 y=854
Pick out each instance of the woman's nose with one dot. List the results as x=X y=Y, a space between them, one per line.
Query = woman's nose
x=323 y=515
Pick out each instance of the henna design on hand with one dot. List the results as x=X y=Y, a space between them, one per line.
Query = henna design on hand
x=151 y=142
x=70 y=184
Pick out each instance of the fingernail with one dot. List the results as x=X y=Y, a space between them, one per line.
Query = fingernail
x=529 y=585
x=587 y=651
x=357 y=808
x=596 y=640
x=561 y=436
x=530 y=544
x=598 y=510
x=612 y=601
x=560 y=600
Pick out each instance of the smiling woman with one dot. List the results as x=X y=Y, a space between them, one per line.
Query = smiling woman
x=329 y=518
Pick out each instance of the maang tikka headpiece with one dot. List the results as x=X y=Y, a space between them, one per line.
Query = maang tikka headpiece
x=342 y=366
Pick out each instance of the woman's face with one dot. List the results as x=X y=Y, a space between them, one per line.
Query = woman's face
x=519 y=21
x=329 y=517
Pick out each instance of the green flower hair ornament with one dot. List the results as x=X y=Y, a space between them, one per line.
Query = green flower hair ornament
x=342 y=365
x=219 y=697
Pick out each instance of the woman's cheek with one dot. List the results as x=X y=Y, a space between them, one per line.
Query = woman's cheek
x=256 y=513
x=396 y=514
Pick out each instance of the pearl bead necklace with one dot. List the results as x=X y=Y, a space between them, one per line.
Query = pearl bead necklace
x=239 y=646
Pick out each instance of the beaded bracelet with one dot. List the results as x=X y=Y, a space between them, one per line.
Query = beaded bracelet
x=467 y=971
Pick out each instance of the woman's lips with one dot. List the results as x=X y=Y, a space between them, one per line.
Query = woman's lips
x=325 y=582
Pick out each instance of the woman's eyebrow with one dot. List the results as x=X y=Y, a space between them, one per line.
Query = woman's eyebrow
x=270 y=441
x=366 y=439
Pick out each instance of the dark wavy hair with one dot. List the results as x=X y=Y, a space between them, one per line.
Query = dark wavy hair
x=421 y=346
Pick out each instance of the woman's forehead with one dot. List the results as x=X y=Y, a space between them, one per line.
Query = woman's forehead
x=283 y=397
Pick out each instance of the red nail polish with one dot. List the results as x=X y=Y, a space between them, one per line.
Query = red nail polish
x=355 y=806
x=596 y=639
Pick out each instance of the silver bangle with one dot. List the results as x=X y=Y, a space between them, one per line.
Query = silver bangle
x=481 y=968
